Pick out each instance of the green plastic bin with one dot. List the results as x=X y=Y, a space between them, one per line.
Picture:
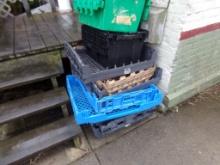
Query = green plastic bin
x=112 y=15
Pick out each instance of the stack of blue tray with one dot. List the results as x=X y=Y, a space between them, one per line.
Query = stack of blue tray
x=95 y=107
x=88 y=109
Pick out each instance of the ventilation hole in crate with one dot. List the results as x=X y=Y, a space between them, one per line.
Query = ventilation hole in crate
x=120 y=123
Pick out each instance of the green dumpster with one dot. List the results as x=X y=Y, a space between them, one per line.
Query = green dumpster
x=112 y=15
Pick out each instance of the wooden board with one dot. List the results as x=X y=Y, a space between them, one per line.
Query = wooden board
x=20 y=108
x=34 y=37
x=37 y=140
x=22 y=45
x=56 y=28
x=50 y=40
x=70 y=24
x=37 y=34
x=7 y=38
x=29 y=69
x=72 y=19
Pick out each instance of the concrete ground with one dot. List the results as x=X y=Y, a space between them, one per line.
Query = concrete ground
x=190 y=135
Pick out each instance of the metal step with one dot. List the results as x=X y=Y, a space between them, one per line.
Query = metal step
x=21 y=71
x=35 y=141
x=23 y=107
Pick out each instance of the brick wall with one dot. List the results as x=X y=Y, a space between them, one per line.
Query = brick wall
x=190 y=51
x=173 y=28
x=201 y=13
x=196 y=66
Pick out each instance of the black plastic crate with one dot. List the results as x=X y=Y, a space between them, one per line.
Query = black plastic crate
x=154 y=80
x=111 y=48
x=91 y=71
x=105 y=128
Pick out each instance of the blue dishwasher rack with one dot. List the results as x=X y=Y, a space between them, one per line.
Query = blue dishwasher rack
x=89 y=109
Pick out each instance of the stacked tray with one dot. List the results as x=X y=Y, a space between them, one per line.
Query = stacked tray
x=105 y=128
x=115 y=77
x=153 y=80
x=88 y=109
x=91 y=71
x=110 y=98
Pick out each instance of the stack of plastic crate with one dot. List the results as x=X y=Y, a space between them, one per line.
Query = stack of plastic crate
x=114 y=81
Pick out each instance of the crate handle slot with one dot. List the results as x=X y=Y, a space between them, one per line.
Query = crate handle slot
x=88 y=7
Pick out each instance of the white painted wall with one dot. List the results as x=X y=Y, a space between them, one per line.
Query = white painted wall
x=183 y=15
x=201 y=13
x=64 y=5
x=168 y=48
x=160 y=3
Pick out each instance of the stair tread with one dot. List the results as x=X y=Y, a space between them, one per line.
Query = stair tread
x=22 y=71
x=37 y=140
x=27 y=79
x=22 y=107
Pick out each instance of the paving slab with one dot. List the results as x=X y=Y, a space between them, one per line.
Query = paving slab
x=87 y=160
x=63 y=154
x=190 y=136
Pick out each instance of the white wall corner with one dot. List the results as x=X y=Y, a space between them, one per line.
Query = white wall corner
x=177 y=12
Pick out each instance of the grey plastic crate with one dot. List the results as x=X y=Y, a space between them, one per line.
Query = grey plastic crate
x=108 y=127
x=91 y=71
x=154 y=80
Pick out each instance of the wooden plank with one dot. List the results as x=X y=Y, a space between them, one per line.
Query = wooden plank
x=63 y=25
x=57 y=30
x=7 y=38
x=47 y=35
x=72 y=19
x=37 y=140
x=22 y=45
x=26 y=70
x=23 y=107
x=34 y=37
x=70 y=24
x=38 y=34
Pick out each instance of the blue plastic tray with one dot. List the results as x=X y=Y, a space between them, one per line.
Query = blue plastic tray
x=119 y=101
x=89 y=109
